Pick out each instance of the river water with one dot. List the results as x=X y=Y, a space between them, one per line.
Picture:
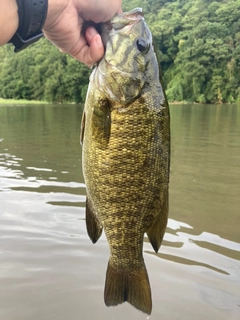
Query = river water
x=50 y=270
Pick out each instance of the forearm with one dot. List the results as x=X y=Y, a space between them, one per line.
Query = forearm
x=8 y=20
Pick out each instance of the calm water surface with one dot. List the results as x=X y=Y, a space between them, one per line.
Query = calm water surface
x=50 y=270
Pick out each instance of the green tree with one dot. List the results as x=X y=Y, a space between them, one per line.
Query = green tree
x=197 y=42
x=42 y=73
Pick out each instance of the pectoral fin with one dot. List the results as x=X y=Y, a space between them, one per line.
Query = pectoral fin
x=94 y=226
x=157 y=230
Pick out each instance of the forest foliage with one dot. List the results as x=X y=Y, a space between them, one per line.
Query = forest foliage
x=197 y=42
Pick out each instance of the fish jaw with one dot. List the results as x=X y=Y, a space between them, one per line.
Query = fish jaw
x=126 y=70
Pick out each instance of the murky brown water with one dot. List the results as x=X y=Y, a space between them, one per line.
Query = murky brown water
x=50 y=270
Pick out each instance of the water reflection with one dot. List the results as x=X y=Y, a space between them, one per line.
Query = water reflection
x=50 y=269
x=187 y=261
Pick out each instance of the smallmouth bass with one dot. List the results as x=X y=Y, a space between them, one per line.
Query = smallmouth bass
x=125 y=136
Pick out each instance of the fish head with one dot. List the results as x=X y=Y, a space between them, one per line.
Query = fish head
x=129 y=64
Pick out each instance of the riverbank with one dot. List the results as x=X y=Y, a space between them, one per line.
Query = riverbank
x=22 y=101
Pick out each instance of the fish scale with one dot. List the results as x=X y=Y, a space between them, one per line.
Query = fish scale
x=126 y=151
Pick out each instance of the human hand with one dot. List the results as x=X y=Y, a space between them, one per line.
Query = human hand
x=64 y=24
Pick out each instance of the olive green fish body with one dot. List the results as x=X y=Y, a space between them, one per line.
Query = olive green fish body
x=125 y=136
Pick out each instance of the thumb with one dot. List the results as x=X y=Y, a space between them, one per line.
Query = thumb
x=93 y=50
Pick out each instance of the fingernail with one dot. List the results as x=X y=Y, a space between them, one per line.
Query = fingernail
x=98 y=41
x=91 y=32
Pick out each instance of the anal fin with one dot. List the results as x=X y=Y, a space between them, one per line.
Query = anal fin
x=94 y=226
x=157 y=230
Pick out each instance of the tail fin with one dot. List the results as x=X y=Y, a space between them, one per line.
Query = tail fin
x=123 y=285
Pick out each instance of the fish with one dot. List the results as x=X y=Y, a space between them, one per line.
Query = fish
x=125 y=137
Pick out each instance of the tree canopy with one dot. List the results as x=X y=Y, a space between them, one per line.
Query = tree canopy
x=197 y=42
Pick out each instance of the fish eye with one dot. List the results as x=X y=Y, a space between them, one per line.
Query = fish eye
x=142 y=45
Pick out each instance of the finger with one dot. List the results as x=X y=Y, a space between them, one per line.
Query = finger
x=92 y=53
x=90 y=33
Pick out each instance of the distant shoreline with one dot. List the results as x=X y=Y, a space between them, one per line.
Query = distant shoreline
x=14 y=101
x=22 y=101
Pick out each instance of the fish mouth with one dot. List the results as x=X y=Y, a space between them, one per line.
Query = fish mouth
x=122 y=22
x=123 y=18
x=135 y=14
x=126 y=20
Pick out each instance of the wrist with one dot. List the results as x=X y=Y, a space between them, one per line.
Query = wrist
x=55 y=8
x=32 y=15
